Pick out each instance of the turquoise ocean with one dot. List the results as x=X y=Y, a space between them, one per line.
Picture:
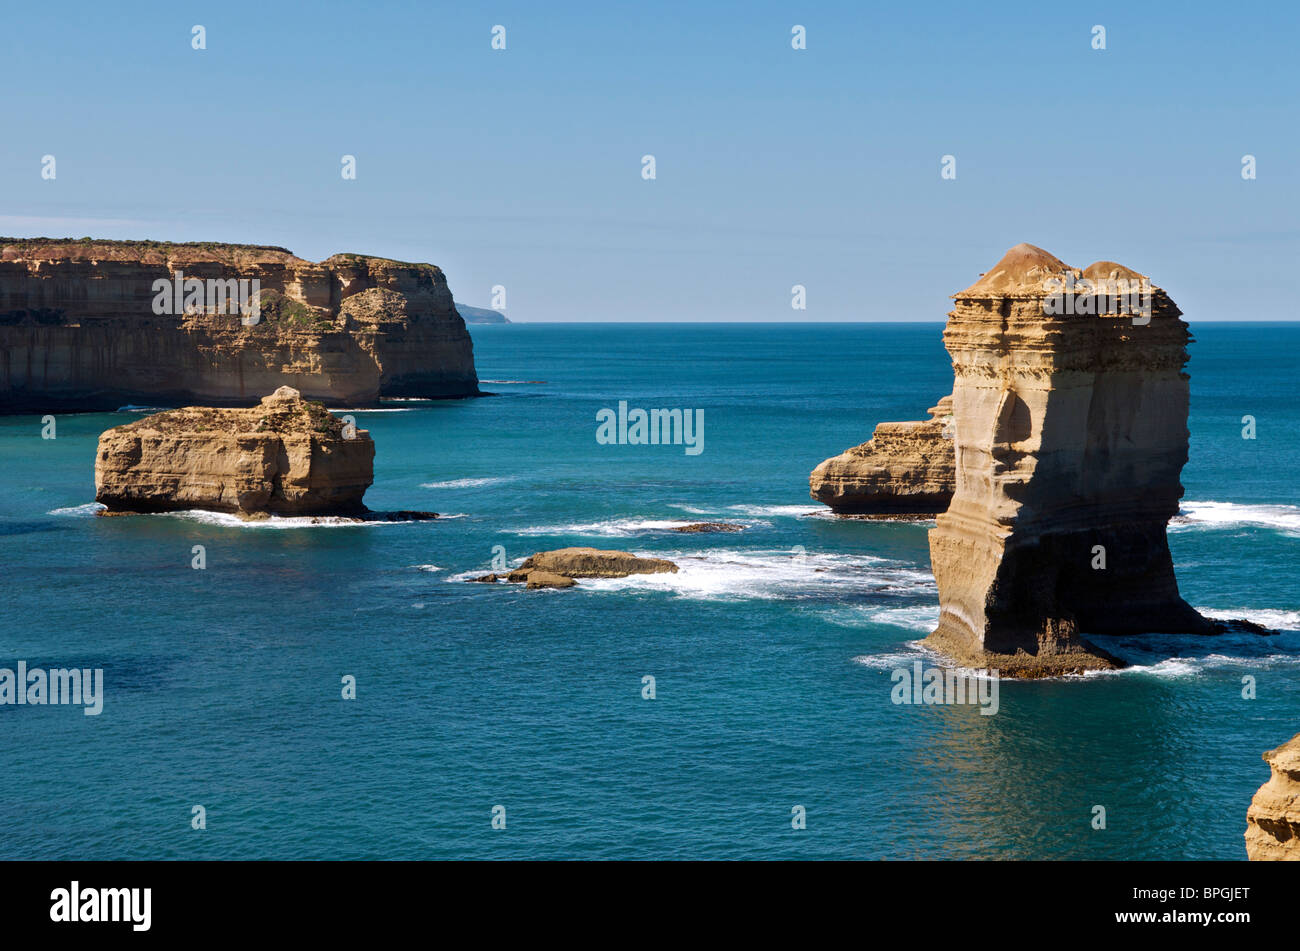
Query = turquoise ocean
x=771 y=650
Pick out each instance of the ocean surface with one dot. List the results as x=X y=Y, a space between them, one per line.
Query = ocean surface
x=772 y=649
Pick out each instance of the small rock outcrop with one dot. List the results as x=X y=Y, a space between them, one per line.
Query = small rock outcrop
x=701 y=528
x=92 y=325
x=1273 y=819
x=287 y=456
x=559 y=568
x=905 y=468
x=594 y=563
x=1071 y=434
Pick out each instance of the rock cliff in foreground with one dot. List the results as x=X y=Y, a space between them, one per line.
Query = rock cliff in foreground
x=286 y=456
x=905 y=468
x=80 y=327
x=1071 y=434
x=1273 y=819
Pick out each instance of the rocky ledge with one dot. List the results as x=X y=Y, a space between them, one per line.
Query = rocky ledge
x=904 y=469
x=1273 y=819
x=286 y=456
x=559 y=568
x=1070 y=437
x=84 y=326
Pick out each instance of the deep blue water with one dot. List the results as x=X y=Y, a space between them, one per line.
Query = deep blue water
x=771 y=649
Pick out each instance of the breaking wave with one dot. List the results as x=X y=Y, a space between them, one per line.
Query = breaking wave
x=919 y=617
x=1217 y=515
x=90 y=508
x=467 y=483
x=619 y=527
x=774 y=575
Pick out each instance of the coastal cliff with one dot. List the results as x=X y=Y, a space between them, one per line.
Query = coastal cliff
x=1071 y=434
x=1273 y=819
x=80 y=327
x=905 y=468
x=286 y=456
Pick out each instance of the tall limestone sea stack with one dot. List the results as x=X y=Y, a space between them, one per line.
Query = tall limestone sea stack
x=1071 y=434
x=83 y=326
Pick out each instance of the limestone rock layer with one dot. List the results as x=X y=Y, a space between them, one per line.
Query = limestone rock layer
x=905 y=468
x=1273 y=819
x=79 y=328
x=1070 y=437
x=286 y=456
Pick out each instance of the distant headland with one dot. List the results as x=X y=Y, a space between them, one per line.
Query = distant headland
x=81 y=328
x=480 y=315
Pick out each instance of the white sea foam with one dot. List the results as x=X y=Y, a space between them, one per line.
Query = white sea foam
x=762 y=574
x=479 y=572
x=914 y=651
x=373 y=409
x=275 y=521
x=1184 y=655
x=758 y=511
x=731 y=574
x=1219 y=515
x=778 y=511
x=618 y=527
x=466 y=483
x=919 y=617
x=890 y=661
x=1170 y=667
x=1169 y=656
x=90 y=508
x=427 y=567
x=1271 y=618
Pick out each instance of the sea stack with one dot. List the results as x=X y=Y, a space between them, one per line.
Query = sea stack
x=286 y=456
x=93 y=325
x=1273 y=819
x=904 y=469
x=1070 y=410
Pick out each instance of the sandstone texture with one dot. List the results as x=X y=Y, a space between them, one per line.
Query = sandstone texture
x=78 y=328
x=1070 y=437
x=905 y=468
x=546 y=579
x=1273 y=819
x=286 y=456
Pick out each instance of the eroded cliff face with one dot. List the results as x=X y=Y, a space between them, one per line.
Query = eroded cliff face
x=1070 y=433
x=905 y=468
x=286 y=456
x=1273 y=819
x=78 y=328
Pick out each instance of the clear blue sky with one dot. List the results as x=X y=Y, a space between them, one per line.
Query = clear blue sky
x=775 y=167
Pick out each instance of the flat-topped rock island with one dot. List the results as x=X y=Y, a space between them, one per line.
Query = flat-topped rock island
x=286 y=456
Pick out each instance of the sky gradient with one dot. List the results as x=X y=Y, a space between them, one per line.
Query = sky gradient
x=522 y=167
